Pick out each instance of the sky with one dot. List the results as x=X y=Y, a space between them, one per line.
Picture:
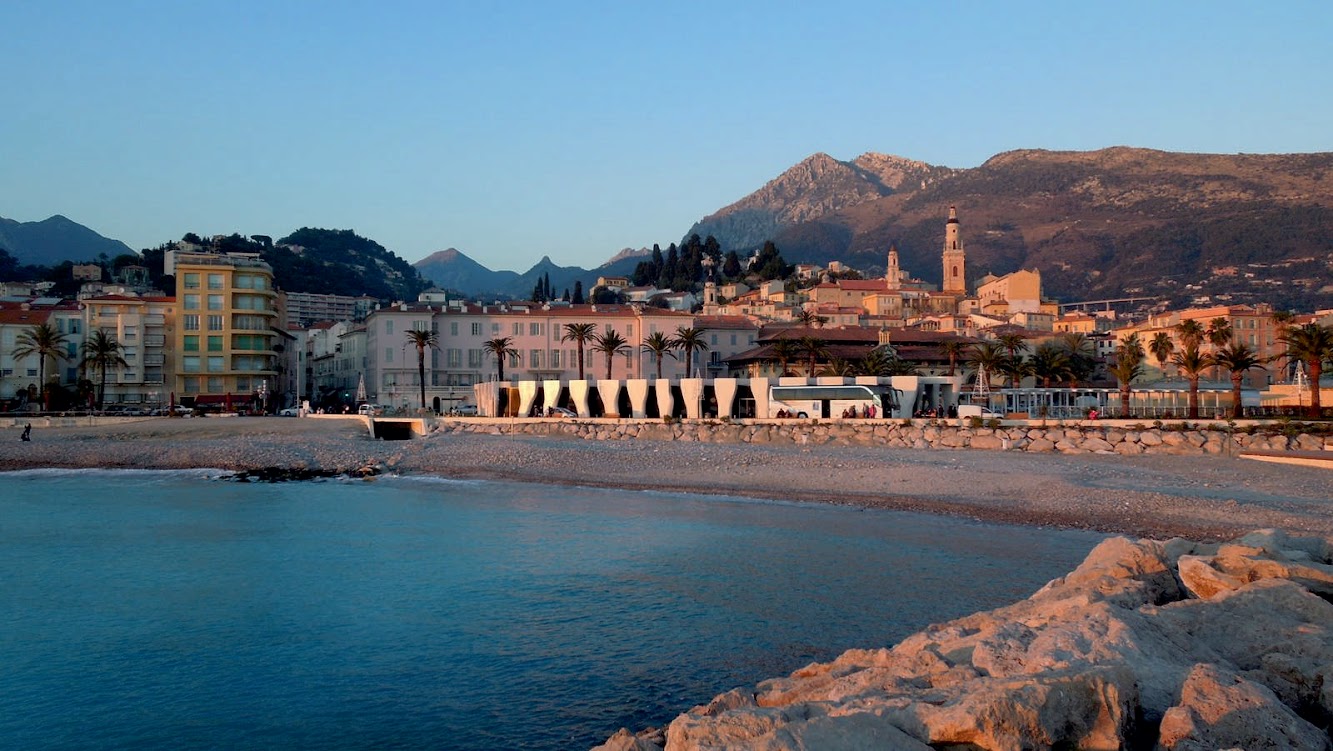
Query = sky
x=514 y=130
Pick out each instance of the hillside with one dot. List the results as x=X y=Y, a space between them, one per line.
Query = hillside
x=1098 y=224
x=53 y=240
x=453 y=270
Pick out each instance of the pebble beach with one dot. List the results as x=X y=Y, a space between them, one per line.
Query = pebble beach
x=1198 y=497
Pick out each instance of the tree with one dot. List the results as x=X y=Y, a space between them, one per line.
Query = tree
x=1237 y=358
x=1128 y=366
x=1013 y=343
x=1192 y=363
x=1218 y=334
x=840 y=368
x=953 y=349
x=1050 y=363
x=809 y=318
x=660 y=345
x=731 y=266
x=46 y=342
x=1079 y=350
x=103 y=352
x=580 y=334
x=769 y=263
x=812 y=348
x=1161 y=348
x=987 y=356
x=501 y=348
x=1191 y=332
x=422 y=340
x=610 y=343
x=784 y=351
x=578 y=293
x=1311 y=344
x=689 y=340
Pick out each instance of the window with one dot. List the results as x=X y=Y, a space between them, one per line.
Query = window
x=215 y=302
x=215 y=364
x=131 y=333
x=733 y=340
x=534 y=358
x=214 y=344
x=191 y=302
x=129 y=375
x=243 y=281
x=190 y=322
x=629 y=330
x=495 y=328
x=455 y=358
x=534 y=329
x=388 y=327
x=191 y=385
x=253 y=323
x=713 y=339
x=421 y=326
x=75 y=326
x=474 y=357
x=453 y=328
x=242 y=383
x=513 y=359
x=214 y=385
x=32 y=372
x=215 y=281
x=518 y=329
x=191 y=343
x=190 y=364
x=388 y=354
x=191 y=281
x=215 y=323
x=476 y=329
x=555 y=359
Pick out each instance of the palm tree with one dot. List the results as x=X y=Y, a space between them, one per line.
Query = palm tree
x=1192 y=363
x=610 y=343
x=953 y=349
x=841 y=368
x=1237 y=358
x=102 y=352
x=1128 y=366
x=876 y=362
x=784 y=351
x=1191 y=332
x=1217 y=334
x=689 y=341
x=1050 y=363
x=1161 y=348
x=660 y=346
x=812 y=348
x=580 y=334
x=1013 y=343
x=988 y=357
x=46 y=342
x=501 y=348
x=809 y=318
x=422 y=340
x=1082 y=362
x=1311 y=344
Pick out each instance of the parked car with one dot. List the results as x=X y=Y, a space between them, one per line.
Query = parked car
x=289 y=412
x=465 y=410
x=560 y=412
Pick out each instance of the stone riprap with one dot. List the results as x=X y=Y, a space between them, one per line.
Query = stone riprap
x=1082 y=438
x=1172 y=645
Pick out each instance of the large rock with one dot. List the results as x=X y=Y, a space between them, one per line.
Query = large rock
x=1143 y=638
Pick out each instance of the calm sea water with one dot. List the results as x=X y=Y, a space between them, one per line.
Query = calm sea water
x=170 y=611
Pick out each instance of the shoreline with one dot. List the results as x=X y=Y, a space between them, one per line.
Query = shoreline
x=1208 y=497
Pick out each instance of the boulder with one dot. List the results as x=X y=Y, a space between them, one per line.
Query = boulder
x=1219 y=709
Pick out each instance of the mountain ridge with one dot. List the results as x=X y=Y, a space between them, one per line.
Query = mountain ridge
x=54 y=240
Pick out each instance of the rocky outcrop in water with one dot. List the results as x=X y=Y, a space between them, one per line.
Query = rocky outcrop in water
x=1147 y=645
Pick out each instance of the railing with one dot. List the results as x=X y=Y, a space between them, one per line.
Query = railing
x=154 y=341
x=154 y=359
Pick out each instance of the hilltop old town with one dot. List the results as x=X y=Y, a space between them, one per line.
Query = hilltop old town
x=226 y=339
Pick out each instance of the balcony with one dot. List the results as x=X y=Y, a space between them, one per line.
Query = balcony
x=154 y=341
x=154 y=320
x=154 y=359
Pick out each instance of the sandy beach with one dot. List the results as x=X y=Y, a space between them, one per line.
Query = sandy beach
x=1155 y=496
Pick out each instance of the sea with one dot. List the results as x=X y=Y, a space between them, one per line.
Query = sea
x=178 y=610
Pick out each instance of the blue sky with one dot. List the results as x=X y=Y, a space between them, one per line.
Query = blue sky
x=513 y=130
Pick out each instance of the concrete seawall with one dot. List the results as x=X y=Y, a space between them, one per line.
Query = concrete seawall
x=1106 y=437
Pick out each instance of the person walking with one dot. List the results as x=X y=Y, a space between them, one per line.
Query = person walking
x=27 y=433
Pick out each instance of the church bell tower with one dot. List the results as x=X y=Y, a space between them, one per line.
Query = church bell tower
x=955 y=260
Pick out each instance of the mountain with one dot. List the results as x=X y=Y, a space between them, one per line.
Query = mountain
x=1098 y=224
x=817 y=187
x=51 y=241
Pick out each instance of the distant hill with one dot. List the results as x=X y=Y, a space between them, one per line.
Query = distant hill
x=453 y=270
x=1107 y=223
x=51 y=241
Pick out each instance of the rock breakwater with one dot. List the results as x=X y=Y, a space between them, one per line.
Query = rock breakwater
x=1080 y=438
x=1172 y=645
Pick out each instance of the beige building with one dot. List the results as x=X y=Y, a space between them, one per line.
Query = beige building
x=1252 y=326
x=1017 y=292
x=227 y=332
x=145 y=329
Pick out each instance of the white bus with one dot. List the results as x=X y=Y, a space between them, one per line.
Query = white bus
x=831 y=401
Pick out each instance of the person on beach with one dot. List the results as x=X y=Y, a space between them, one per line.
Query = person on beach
x=27 y=433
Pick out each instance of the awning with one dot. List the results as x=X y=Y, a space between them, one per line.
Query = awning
x=221 y=399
